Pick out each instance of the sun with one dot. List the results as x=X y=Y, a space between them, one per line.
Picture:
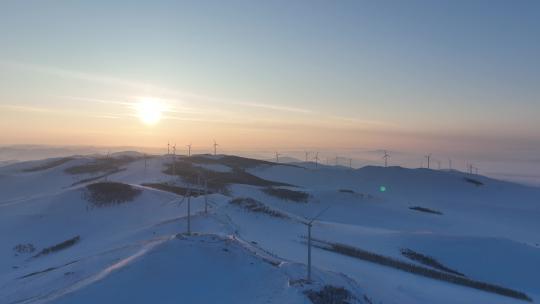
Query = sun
x=149 y=110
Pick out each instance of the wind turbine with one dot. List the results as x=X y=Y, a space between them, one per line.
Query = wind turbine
x=309 y=224
x=316 y=159
x=449 y=164
x=428 y=156
x=350 y=163
x=168 y=148
x=277 y=157
x=386 y=156
x=439 y=164
x=189 y=149
x=337 y=160
x=215 y=147
x=307 y=155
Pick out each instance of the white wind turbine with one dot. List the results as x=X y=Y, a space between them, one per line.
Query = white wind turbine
x=428 y=157
x=189 y=149
x=385 y=157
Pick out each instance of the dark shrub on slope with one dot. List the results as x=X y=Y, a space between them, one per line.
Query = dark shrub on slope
x=419 y=270
x=286 y=194
x=110 y=193
x=256 y=206
x=101 y=165
x=427 y=260
x=194 y=192
x=330 y=295
x=49 y=165
x=217 y=181
x=473 y=181
x=60 y=246
x=426 y=210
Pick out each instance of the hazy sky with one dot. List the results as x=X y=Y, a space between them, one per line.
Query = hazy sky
x=456 y=77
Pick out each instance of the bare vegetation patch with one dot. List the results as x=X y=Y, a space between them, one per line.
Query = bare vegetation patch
x=330 y=295
x=473 y=181
x=427 y=260
x=108 y=164
x=232 y=161
x=60 y=246
x=286 y=194
x=24 y=248
x=46 y=270
x=95 y=178
x=256 y=206
x=426 y=210
x=217 y=181
x=110 y=193
x=175 y=189
x=419 y=270
x=49 y=165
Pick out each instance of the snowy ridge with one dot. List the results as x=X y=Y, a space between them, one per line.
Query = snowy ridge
x=483 y=228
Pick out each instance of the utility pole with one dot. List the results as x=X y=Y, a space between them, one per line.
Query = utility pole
x=215 y=147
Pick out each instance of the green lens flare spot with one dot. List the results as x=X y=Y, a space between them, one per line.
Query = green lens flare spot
x=382 y=188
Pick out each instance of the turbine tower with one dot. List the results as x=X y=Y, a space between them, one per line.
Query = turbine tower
x=145 y=162
x=428 y=159
x=309 y=224
x=215 y=147
x=277 y=157
x=386 y=156
x=449 y=164
x=469 y=168
x=307 y=156
x=189 y=150
x=316 y=159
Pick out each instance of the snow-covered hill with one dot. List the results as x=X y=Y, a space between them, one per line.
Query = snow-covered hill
x=113 y=229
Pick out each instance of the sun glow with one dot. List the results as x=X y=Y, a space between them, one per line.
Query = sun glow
x=149 y=110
